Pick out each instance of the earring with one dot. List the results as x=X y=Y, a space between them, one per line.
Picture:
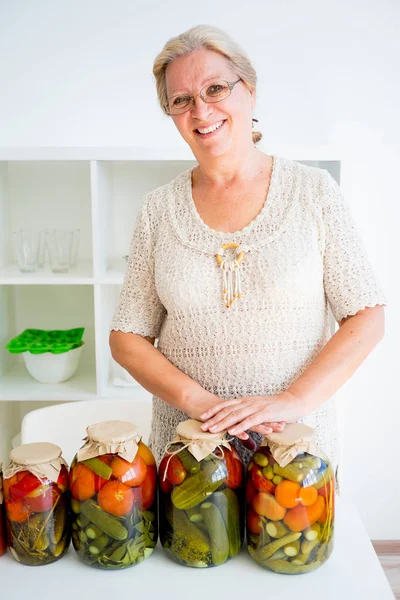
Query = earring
x=254 y=121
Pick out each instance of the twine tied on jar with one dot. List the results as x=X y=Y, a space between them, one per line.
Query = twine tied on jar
x=199 y=443
x=42 y=459
x=293 y=440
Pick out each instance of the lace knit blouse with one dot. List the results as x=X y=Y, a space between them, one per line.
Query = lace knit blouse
x=304 y=253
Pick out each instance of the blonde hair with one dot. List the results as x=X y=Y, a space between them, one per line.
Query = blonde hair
x=211 y=38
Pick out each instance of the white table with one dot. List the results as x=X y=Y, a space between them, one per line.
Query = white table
x=353 y=571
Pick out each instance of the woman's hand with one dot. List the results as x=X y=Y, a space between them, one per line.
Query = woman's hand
x=205 y=403
x=262 y=414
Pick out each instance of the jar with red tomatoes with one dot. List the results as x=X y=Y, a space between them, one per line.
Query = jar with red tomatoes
x=3 y=544
x=201 y=483
x=290 y=491
x=36 y=499
x=113 y=497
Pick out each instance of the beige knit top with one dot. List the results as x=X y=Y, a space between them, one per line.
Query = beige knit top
x=303 y=253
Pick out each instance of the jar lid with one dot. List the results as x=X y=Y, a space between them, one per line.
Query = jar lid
x=36 y=453
x=112 y=432
x=292 y=434
x=191 y=430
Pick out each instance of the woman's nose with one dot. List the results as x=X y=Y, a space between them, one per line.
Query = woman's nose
x=200 y=109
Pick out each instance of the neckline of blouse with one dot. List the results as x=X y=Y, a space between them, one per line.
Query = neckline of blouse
x=268 y=202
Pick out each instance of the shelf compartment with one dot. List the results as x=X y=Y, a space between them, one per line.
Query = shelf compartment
x=46 y=307
x=42 y=195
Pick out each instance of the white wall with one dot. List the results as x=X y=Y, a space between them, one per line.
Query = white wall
x=78 y=73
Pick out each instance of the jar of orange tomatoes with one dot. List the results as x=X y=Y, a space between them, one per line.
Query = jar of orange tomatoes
x=3 y=544
x=201 y=483
x=290 y=491
x=36 y=499
x=113 y=497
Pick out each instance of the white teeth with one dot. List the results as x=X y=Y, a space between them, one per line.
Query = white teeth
x=211 y=128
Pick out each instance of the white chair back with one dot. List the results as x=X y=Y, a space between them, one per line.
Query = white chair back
x=65 y=424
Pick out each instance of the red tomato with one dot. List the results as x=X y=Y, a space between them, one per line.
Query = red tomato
x=116 y=498
x=261 y=483
x=250 y=492
x=42 y=499
x=62 y=480
x=132 y=474
x=148 y=488
x=235 y=468
x=254 y=523
x=165 y=485
x=176 y=472
x=25 y=485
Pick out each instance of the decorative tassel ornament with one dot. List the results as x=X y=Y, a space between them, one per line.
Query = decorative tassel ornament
x=232 y=287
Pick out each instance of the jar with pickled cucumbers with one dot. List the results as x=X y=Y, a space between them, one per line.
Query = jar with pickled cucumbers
x=290 y=493
x=3 y=543
x=36 y=499
x=201 y=497
x=113 y=497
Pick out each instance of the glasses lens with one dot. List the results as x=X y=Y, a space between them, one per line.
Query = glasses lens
x=178 y=104
x=216 y=91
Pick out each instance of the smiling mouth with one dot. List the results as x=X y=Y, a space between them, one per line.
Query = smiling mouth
x=207 y=131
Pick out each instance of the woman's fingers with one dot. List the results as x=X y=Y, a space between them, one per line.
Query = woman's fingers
x=217 y=408
x=249 y=422
x=230 y=417
x=243 y=436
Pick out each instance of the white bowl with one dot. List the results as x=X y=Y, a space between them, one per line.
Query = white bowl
x=52 y=368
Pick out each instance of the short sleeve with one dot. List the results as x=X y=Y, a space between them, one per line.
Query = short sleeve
x=139 y=309
x=349 y=281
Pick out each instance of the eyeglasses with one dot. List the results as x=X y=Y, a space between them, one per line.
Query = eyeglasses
x=213 y=92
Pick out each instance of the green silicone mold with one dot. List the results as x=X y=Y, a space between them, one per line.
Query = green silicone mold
x=39 y=341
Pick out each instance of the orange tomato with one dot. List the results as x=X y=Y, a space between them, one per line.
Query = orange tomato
x=307 y=495
x=82 y=482
x=17 y=511
x=148 y=488
x=146 y=454
x=235 y=468
x=254 y=523
x=176 y=472
x=116 y=498
x=131 y=474
x=301 y=517
x=287 y=493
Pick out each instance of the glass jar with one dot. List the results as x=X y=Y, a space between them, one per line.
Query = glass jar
x=201 y=495
x=113 y=497
x=290 y=491
x=3 y=544
x=36 y=499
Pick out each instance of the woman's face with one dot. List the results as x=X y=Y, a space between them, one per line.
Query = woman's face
x=188 y=75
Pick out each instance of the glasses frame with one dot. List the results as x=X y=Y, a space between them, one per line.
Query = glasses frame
x=231 y=85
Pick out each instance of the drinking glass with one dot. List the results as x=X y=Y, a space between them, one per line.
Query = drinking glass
x=26 y=244
x=59 y=246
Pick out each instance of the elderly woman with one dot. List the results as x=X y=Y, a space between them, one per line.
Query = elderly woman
x=232 y=267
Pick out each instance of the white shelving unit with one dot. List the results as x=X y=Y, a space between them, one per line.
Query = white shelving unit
x=99 y=191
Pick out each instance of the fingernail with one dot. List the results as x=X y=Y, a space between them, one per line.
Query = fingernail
x=213 y=428
x=233 y=431
x=203 y=416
